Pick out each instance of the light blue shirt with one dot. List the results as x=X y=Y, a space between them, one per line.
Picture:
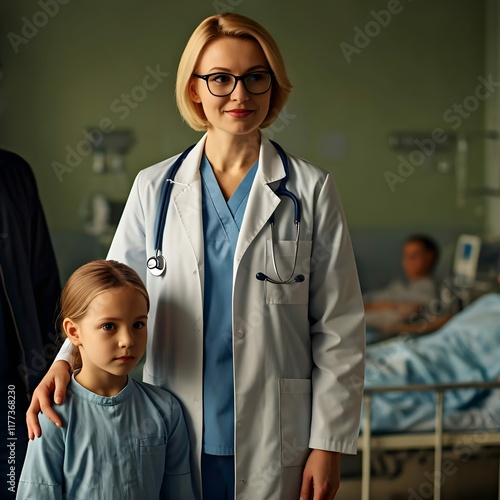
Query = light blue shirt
x=221 y=225
x=130 y=446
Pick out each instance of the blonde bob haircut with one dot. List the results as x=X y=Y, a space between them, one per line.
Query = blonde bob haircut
x=215 y=28
x=89 y=281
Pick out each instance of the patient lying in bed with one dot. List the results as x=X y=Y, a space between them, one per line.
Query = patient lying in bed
x=404 y=305
x=466 y=349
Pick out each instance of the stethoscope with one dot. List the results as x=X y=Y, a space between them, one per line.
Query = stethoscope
x=157 y=264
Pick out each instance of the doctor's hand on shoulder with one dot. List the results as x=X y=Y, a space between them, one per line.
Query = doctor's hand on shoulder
x=321 y=477
x=55 y=381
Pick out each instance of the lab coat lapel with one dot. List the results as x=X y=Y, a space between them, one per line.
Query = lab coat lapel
x=262 y=200
x=188 y=202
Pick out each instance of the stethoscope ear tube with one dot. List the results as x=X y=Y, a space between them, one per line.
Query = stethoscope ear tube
x=157 y=264
x=166 y=193
x=283 y=191
x=291 y=279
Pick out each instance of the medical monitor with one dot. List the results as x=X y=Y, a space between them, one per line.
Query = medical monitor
x=466 y=259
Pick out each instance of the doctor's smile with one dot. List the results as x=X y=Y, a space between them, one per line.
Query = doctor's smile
x=239 y=113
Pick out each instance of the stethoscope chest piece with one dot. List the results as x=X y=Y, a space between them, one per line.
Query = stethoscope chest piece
x=157 y=265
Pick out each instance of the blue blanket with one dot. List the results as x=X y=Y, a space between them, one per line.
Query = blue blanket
x=466 y=349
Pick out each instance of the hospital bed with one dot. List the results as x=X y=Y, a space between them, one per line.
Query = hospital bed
x=436 y=391
x=436 y=439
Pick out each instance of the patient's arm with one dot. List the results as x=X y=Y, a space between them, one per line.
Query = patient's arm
x=422 y=325
x=401 y=307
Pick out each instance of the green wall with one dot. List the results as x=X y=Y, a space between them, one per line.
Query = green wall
x=426 y=59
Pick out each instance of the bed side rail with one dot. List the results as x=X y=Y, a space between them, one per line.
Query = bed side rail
x=439 y=389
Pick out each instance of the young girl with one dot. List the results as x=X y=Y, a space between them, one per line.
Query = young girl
x=120 y=438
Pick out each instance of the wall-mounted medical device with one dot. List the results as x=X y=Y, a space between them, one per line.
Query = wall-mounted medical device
x=108 y=183
x=444 y=152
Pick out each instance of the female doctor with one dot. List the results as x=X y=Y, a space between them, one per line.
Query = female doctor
x=257 y=328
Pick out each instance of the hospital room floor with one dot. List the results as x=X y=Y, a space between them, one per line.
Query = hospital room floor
x=475 y=478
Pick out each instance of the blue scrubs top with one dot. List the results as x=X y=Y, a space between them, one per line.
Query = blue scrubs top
x=221 y=225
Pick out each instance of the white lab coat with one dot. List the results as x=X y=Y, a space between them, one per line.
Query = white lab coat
x=298 y=350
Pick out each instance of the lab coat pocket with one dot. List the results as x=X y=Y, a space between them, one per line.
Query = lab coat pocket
x=295 y=420
x=152 y=461
x=284 y=251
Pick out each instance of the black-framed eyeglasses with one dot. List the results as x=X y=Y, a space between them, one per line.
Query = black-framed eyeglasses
x=223 y=84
